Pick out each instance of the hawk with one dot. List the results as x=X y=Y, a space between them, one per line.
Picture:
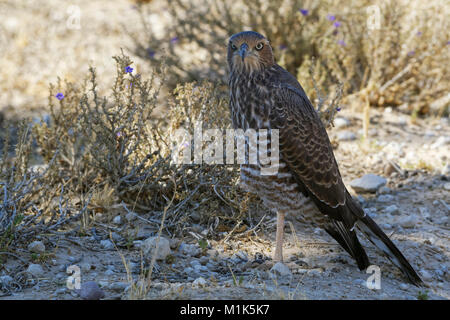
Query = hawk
x=308 y=183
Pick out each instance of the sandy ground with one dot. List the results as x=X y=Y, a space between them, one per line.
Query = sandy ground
x=318 y=267
x=238 y=268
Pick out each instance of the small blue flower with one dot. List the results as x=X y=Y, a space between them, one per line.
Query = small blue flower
x=337 y=24
x=304 y=11
x=331 y=17
x=341 y=43
x=151 y=53
x=448 y=42
x=174 y=40
x=129 y=69
x=338 y=109
x=411 y=53
x=419 y=33
x=59 y=96
x=283 y=47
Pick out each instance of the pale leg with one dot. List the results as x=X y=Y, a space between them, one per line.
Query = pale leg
x=279 y=238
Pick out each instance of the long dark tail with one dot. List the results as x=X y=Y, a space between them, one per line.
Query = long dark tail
x=349 y=241
x=382 y=242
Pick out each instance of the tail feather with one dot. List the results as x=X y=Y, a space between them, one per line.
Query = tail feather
x=349 y=241
x=382 y=242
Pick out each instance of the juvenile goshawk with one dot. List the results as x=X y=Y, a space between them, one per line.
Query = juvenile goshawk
x=308 y=183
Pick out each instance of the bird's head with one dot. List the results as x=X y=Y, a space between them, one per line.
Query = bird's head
x=248 y=52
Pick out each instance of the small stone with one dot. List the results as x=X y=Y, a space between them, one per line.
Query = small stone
x=118 y=286
x=368 y=183
x=90 y=291
x=35 y=269
x=426 y=276
x=408 y=222
x=404 y=286
x=189 y=249
x=281 y=269
x=149 y=245
x=341 y=122
x=188 y=270
x=131 y=216
x=384 y=190
x=199 y=282
x=440 y=142
x=117 y=220
x=60 y=291
x=385 y=198
x=5 y=280
x=392 y=209
x=346 y=136
x=107 y=244
x=85 y=267
x=109 y=272
x=36 y=247
x=447 y=186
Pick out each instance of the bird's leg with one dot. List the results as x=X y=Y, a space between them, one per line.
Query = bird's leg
x=279 y=237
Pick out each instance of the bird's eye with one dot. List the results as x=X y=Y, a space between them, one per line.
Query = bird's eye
x=233 y=46
x=259 y=46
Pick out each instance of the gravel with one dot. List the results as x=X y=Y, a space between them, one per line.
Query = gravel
x=368 y=183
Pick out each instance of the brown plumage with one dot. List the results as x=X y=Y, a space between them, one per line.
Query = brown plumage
x=308 y=184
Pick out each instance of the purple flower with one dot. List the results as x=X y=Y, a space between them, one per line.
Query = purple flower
x=304 y=11
x=411 y=53
x=337 y=24
x=174 y=40
x=448 y=42
x=151 y=53
x=59 y=96
x=331 y=17
x=338 y=109
x=129 y=69
x=335 y=32
x=283 y=47
x=341 y=43
x=119 y=134
x=419 y=33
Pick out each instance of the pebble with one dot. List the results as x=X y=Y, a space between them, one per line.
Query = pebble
x=91 y=291
x=408 y=222
x=281 y=269
x=35 y=269
x=384 y=190
x=118 y=286
x=117 y=220
x=447 y=186
x=36 y=247
x=368 y=183
x=440 y=142
x=346 y=136
x=5 y=280
x=188 y=270
x=189 y=249
x=107 y=244
x=392 y=209
x=341 y=122
x=149 y=245
x=199 y=282
x=130 y=217
x=404 y=286
x=426 y=276
x=385 y=198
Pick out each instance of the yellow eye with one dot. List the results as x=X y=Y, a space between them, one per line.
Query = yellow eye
x=259 y=46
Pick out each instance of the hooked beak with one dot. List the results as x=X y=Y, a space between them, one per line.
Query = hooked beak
x=243 y=51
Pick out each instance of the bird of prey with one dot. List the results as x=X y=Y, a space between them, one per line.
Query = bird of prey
x=308 y=183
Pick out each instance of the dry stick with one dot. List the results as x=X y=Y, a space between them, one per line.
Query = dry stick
x=152 y=263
